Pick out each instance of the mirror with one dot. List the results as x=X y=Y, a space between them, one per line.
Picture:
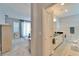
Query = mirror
x=66 y=19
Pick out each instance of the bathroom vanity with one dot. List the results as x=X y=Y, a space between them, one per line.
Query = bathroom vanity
x=57 y=40
x=5 y=38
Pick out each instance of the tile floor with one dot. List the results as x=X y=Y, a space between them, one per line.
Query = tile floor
x=65 y=50
x=20 y=48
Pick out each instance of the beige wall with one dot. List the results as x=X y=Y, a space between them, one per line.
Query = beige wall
x=37 y=28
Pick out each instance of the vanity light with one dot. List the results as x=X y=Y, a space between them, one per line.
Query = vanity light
x=66 y=10
x=54 y=20
x=62 y=4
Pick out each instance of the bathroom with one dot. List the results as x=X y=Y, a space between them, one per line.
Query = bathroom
x=65 y=21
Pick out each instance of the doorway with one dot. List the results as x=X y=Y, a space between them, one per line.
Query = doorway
x=21 y=32
x=20 y=41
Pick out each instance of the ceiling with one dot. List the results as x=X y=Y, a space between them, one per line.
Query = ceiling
x=16 y=10
x=65 y=10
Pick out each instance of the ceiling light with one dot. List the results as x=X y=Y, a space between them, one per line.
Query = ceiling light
x=62 y=4
x=54 y=20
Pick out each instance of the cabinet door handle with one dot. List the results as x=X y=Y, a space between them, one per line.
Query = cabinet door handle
x=53 y=41
x=50 y=36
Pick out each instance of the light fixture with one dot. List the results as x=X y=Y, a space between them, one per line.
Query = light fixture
x=62 y=4
x=66 y=10
x=54 y=20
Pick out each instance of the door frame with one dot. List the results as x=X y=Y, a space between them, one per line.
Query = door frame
x=46 y=33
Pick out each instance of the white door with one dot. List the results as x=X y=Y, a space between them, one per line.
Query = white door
x=47 y=27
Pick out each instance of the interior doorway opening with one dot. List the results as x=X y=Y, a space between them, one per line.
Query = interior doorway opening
x=21 y=40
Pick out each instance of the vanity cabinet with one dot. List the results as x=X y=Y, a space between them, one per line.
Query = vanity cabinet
x=5 y=38
x=57 y=41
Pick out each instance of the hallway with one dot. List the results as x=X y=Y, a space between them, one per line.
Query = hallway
x=20 y=48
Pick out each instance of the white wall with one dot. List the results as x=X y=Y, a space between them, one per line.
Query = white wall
x=16 y=27
x=37 y=28
x=20 y=11
x=70 y=21
x=57 y=25
x=2 y=19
